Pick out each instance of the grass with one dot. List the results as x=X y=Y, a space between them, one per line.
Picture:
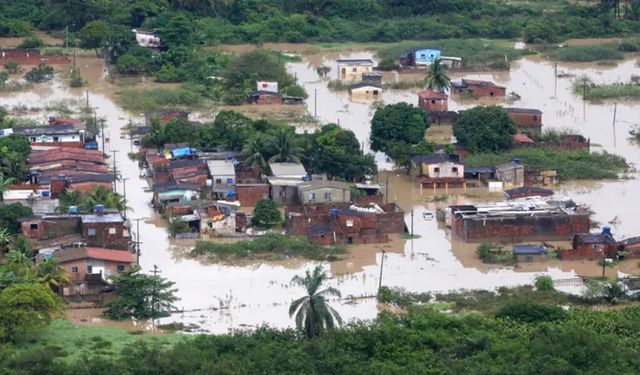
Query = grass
x=475 y=53
x=182 y=98
x=570 y=165
x=400 y=297
x=495 y=254
x=71 y=342
x=270 y=246
x=588 y=53
x=610 y=91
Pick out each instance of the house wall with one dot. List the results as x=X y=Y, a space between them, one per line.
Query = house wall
x=364 y=91
x=443 y=170
x=267 y=86
x=86 y=187
x=107 y=235
x=426 y=56
x=249 y=195
x=524 y=258
x=483 y=91
x=352 y=73
x=223 y=179
x=74 y=144
x=284 y=195
x=511 y=177
x=76 y=285
x=582 y=250
x=520 y=228
x=529 y=122
x=433 y=105
x=51 y=227
x=268 y=99
x=324 y=195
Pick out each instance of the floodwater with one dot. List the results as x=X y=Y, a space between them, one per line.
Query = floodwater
x=221 y=297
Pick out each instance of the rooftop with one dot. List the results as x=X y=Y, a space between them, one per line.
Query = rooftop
x=173 y=185
x=287 y=170
x=595 y=238
x=275 y=181
x=362 y=62
x=107 y=217
x=47 y=129
x=221 y=167
x=529 y=190
x=97 y=177
x=437 y=157
x=523 y=110
x=529 y=249
x=522 y=138
x=429 y=94
x=78 y=253
x=365 y=84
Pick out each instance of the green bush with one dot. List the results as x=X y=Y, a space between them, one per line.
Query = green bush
x=629 y=45
x=588 y=53
x=489 y=253
x=527 y=311
x=266 y=214
x=544 y=283
x=400 y=297
x=31 y=41
x=40 y=73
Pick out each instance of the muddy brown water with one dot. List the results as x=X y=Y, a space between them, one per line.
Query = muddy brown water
x=220 y=297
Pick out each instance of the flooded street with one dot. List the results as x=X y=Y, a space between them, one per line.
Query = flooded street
x=222 y=297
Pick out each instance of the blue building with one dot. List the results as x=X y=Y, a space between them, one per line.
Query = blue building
x=419 y=56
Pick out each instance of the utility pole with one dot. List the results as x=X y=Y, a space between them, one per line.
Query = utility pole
x=115 y=170
x=412 y=223
x=315 y=103
x=584 y=100
x=66 y=36
x=615 y=109
x=381 y=268
x=555 y=83
x=153 y=291
x=138 y=242
x=124 y=192
x=101 y=132
x=386 y=191
x=604 y=262
x=87 y=91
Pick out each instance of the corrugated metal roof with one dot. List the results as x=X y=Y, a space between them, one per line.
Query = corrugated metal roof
x=287 y=170
x=112 y=217
x=221 y=168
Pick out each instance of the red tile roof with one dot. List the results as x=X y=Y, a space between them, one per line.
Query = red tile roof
x=77 y=253
x=428 y=94
x=522 y=138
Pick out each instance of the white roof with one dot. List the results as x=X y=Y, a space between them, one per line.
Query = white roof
x=293 y=170
x=221 y=167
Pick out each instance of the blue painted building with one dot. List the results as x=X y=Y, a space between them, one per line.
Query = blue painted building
x=419 y=56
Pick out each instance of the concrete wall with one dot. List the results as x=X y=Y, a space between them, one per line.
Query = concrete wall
x=352 y=73
x=433 y=105
x=324 y=195
x=529 y=122
x=443 y=170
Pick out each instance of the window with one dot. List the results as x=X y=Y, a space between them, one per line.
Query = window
x=33 y=226
x=454 y=169
x=327 y=196
x=56 y=139
x=535 y=117
x=32 y=139
x=492 y=93
x=312 y=196
x=91 y=232
x=433 y=101
x=120 y=267
x=354 y=70
x=282 y=193
x=375 y=92
x=349 y=223
x=218 y=180
x=89 y=269
x=74 y=269
x=112 y=230
x=436 y=170
x=229 y=180
x=264 y=85
x=422 y=55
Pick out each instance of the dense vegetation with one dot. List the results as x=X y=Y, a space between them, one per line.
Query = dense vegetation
x=270 y=245
x=570 y=165
x=485 y=129
x=588 y=53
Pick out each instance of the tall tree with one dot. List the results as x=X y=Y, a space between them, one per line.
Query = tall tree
x=336 y=151
x=397 y=123
x=49 y=273
x=485 y=129
x=256 y=151
x=4 y=185
x=68 y=199
x=285 y=147
x=313 y=314
x=26 y=309
x=437 y=78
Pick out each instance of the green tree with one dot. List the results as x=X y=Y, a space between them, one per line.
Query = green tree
x=4 y=185
x=94 y=35
x=49 y=273
x=40 y=73
x=266 y=213
x=31 y=41
x=5 y=239
x=527 y=311
x=76 y=79
x=4 y=78
x=25 y=310
x=22 y=244
x=9 y=215
x=397 y=123
x=313 y=314
x=140 y=296
x=285 y=146
x=256 y=151
x=437 y=78
x=179 y=130
x=336 y=151
x=155 y=138
x=178 y=31
x=544 y=283
x=485 y=129
x=69 y=198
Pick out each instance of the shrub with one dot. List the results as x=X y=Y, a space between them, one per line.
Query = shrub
x=489 y=253
x=31 y=41
x=266 y=214
x=527 y=311
x=400 y=297
x=40 y=73
x=544 y=283
x=12 y=66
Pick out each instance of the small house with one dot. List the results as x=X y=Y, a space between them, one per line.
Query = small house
x=222 y=172
x=147 y=39
x=89 y=267
x=365 y=89
x=438 y=169
x=284 y=191
x=530 y=253
x=268 y=86
x=66 y=135
x=477 y=88
x=521 y=140
x=352 y=69
x=264 y=97
x=104 y=229
x=528 y=120
x=171 y=191
x=432 y=101
x=250 y=193
x=591 y=246
x=630 y=247
x=510 y=174
x=419 y=56
x=451 y=63
x=322 y=192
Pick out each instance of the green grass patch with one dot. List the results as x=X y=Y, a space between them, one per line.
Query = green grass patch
x=491 y=253
x=183 y=98
x=588 y=53
x=276 y=246
x=475 y=53
x=71 y=342
x=570 y=165
x=601 y=92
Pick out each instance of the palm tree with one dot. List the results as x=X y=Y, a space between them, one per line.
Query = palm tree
x=313 y=315
x=5 y=239
x=613 y=292
x=437 y=79
x=48 y=272
x=285 y=147
x=4 y=185
x=67 y=199
x=256 y=150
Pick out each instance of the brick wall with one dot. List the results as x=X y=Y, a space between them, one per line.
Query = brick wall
x=51 y=228
x=103 y=238
x=250 y=194
x=433 y=105
x=526 y=121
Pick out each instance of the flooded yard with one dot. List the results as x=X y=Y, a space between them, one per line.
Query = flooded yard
x=219 y=297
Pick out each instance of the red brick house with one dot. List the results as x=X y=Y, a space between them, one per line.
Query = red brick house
x=265 y=97
x=630 y=247
x=87 y=266
x=249 y=194
x=590 y=246
x=432 y=101
x=104 y=230
x=478 y=88
x=526 y=119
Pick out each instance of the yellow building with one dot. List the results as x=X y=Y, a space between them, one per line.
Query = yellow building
x=352 y=69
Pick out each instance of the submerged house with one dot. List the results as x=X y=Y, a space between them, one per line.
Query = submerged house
x=530 y=253
x=419 y=56
x=478 y=88
x=438 y=169
x=433 y=101
x=510 y=174
x=366 y=89
x=66 y=135
x=353 y=69
x=147 y=39
x=527 y=120
x=591 y=246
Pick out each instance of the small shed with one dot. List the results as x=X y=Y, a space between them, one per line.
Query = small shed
x=365 y=89
x=264 y=97
x=530 y=253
